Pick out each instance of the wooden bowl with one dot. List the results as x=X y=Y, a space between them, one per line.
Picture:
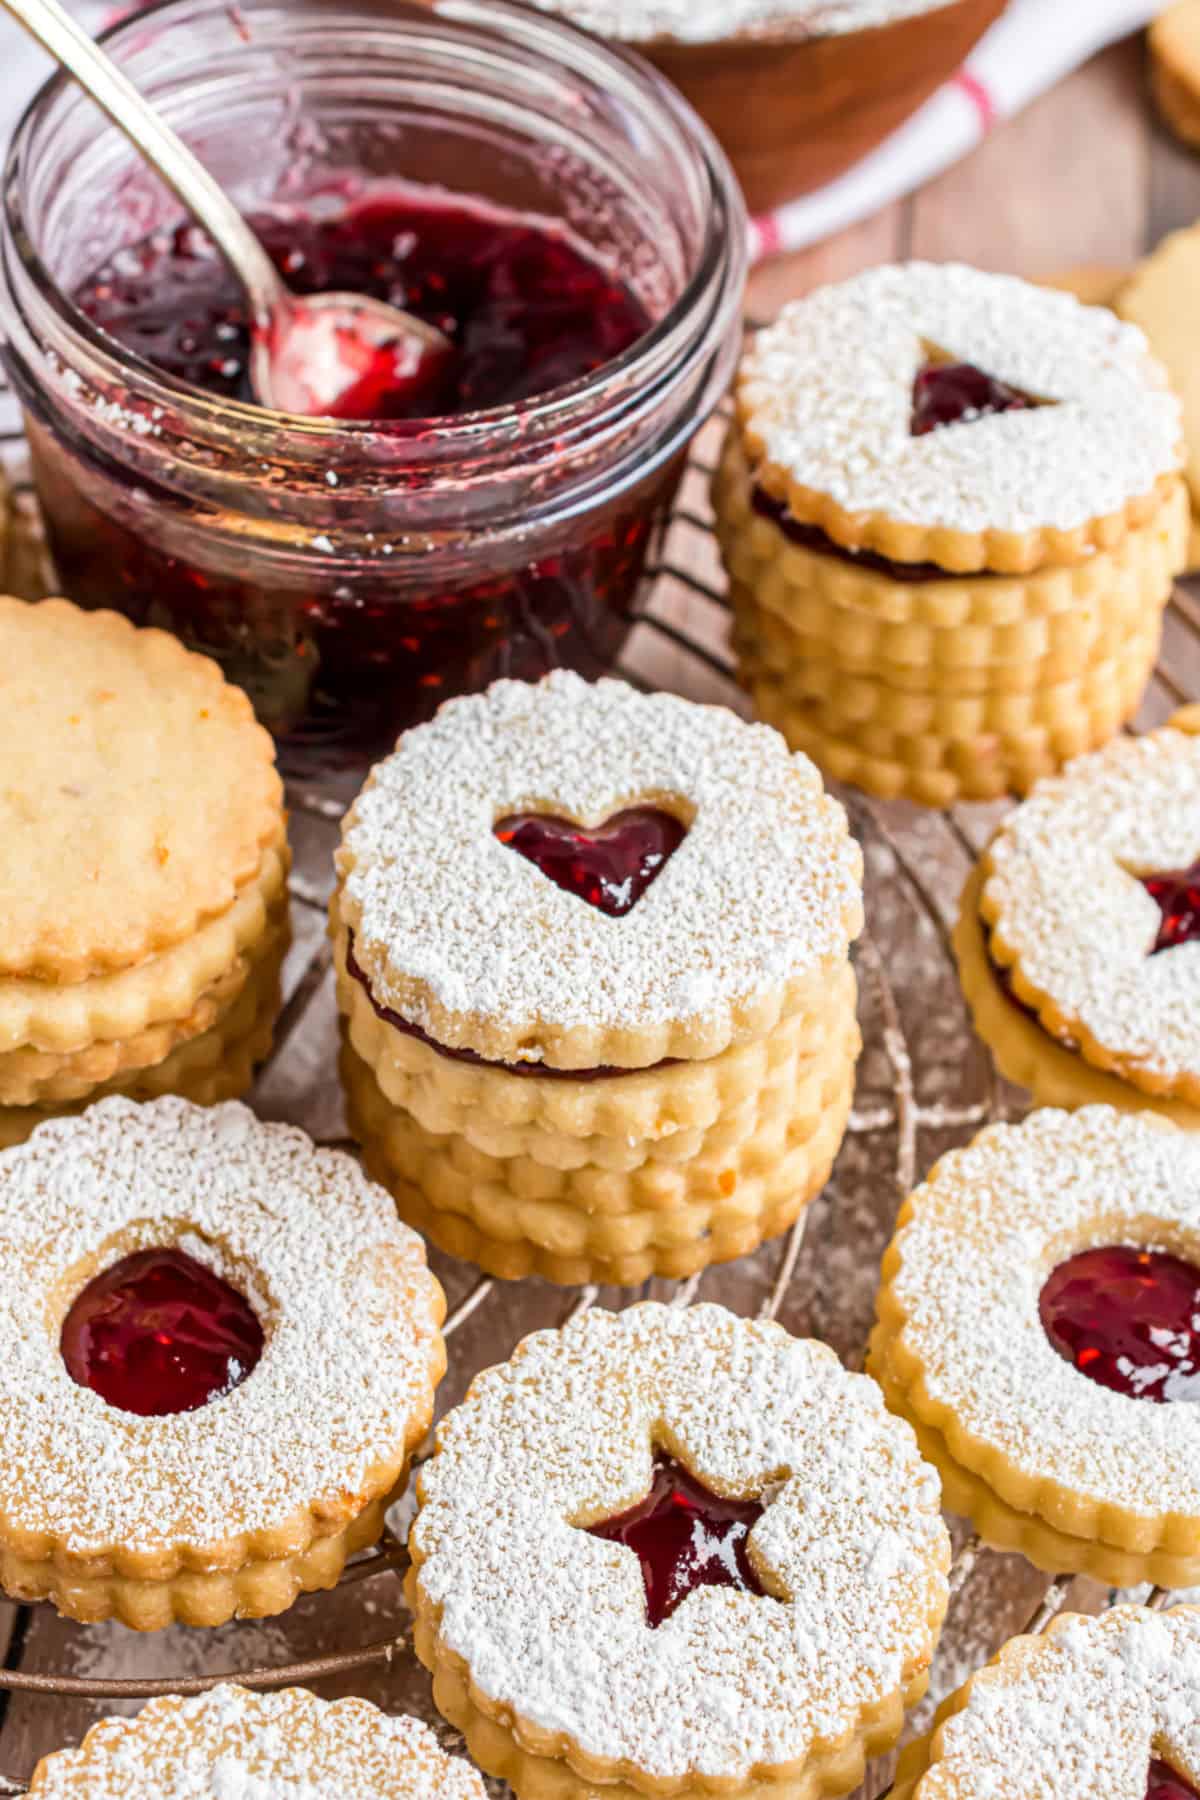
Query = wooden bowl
x=793 y=112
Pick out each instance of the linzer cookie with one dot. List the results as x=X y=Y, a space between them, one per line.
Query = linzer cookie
x=1095 y=1706
x=220 y=1347
x=673 y=1552
x=1078 y=938
x=592 y=953
x=1039 y=1327
x=951 y=510
x=236 y=1745
x=143 y=902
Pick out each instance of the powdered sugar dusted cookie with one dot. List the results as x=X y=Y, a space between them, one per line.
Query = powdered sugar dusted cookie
x=1039 y=1325
x=235 y=1745
x=221 y=1347
x=676 y=1551
x=1096 y=1706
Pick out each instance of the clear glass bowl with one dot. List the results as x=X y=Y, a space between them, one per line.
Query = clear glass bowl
x=351 y=578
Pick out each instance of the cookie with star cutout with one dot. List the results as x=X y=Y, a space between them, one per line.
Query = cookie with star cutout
x=673 y=1552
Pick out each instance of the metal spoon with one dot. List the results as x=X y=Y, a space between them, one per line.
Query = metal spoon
x=310 y=353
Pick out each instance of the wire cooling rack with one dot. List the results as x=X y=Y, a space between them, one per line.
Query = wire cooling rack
x=925 y=1084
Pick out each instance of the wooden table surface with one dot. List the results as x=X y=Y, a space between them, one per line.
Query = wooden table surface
x=1085 y=176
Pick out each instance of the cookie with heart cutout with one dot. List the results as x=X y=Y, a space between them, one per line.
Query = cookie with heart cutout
x=671 y=1552
x=957 y=484
x=232 y=1743
x=1075 y=932
x=1095 y=1706
x=1038 y=1327
x=569 y=913
x=220 y=1349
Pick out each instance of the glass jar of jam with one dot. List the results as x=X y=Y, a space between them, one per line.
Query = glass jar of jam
x=549 y=203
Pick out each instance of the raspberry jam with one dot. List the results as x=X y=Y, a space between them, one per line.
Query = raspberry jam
x=958 y=394
x=1178 y=897
x=611 y=866
x=360 y=623
x=398 y=1023
x=1165 y=1784
x=159 y=1333
x=685 y=1537
x=523 y=308
x=1128 y=1319
x=811 y=537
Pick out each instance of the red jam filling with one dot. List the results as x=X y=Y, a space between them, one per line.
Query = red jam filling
x=685 y=1537
x=159 y=1333
x=958 y=394
x=943 y=394
x=1178 y=895
x=609 y=866
x=811 y=537
x=337 y=667
x=542 y=1070
x=1165 y=1784
x=1128 y=1319
x=524 y=308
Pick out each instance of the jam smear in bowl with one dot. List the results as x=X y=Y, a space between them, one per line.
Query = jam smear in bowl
x=566 y=222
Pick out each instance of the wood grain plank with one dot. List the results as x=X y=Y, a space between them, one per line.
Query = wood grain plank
x=1065 y=182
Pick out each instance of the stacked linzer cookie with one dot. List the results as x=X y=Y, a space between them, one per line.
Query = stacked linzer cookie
x=592 y=956
x=143 y=893
x=951 y=509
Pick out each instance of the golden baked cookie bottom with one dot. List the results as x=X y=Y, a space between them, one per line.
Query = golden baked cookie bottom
x=958 y=660
x=956 y=551
x=515 y=1750
x=958 y=621
x=900 y=704
x=45 y=1078
x=498 y=1216
x=90 y=1590
x=565 y=1123
x=939 y=772
x=740 y=1150
x=943 y=690
x=1006 y=1527
x=62 y=1020
x=218 y=1064
x=1027 y=1055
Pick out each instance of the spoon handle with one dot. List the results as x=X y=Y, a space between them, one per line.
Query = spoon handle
x=99 y=76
